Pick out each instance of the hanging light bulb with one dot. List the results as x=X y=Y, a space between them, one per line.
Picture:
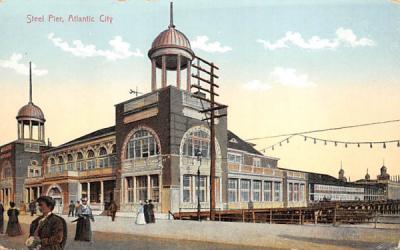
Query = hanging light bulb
x=358 y=145
x=280 y=144
x=315 y=141
x=272 y=147
x=398 y=144
x=325 y=142
x=287 y=140
x=384 y=145
x=345 y=145
x=335 y=143
x=370 y=145
x=305 y=138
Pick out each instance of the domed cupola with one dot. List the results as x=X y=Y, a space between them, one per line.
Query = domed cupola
x=170 y=51
x=31 y=119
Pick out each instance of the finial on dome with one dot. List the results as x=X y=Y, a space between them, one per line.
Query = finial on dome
x=30 y=82
x=171 y=15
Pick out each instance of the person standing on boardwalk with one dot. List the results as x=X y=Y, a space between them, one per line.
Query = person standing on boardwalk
x=113 y=210
x=71 y=209
x=13 y=226
x=48 y=231
x=77 y=206
x=140 y=219
x=146 y=212
x=32 y=207
x=83 y=227
x=151 y=212
x=1 y=218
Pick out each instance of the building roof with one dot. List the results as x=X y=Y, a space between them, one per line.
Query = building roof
x=235 y=142
x=92 y=135
x=30 y=111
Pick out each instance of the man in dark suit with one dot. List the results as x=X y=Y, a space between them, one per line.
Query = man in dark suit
x=48 y=231
x=146 y=212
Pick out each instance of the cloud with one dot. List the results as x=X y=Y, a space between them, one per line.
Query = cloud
x=119 y=48
x=202 y=43
x=344 y=37
x=290 y=77
x=14 y=63
x=257 y=85
x=280 y=76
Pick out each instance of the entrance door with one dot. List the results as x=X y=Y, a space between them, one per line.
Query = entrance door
x=55 y=193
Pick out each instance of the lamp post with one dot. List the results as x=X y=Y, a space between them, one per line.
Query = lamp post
x=198 y=154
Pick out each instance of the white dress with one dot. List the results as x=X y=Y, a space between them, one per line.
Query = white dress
x=140 y=216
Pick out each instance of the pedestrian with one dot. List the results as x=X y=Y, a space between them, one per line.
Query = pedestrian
x=83 y=228
x=113 y=210
x=71 y=209
x=140 y=219
x=32 y=207
x=48 y=231
x=146 y=212
x=1 y=218
x=77 y=206
x=151 y=212
x=13 y=226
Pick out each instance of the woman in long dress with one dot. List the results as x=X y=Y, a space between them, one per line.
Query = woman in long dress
x=83 y=227
x=13 y=226
x=140 y=220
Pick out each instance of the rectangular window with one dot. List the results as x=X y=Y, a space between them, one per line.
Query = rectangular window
x=187 y=190
x=232 y=190
x=129 y=182
x=296 y=192
x=256 y=190
x=203 y=181
x=267 y=191
x=257 y=162
x=302 y=192
x=91 y=164
x=141 y=188
x=235 y=158
x=277 y=191
x=155 y=188
x=290 y=193
x=245 y=190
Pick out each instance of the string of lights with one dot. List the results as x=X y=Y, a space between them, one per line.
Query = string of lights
x=336 y=143
x=324 y=130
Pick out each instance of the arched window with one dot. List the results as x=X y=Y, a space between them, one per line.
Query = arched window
x=90 y=154
x=60 y=160
x=70 y=158
x=80 y=165
x=91 y=163
x=80 y=156
x=52 y=161
x=103 y=151
x=70 y=164
x=197 y=140
x=141 y=145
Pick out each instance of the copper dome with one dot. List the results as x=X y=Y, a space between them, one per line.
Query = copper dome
x=171 y=37
x=31 y=112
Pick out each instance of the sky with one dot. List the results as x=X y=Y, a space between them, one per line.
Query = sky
x=285 y=67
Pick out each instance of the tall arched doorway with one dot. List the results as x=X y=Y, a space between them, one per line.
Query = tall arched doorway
x=55 y=193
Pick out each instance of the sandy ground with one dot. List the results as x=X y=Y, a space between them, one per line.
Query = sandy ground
x=124 y=234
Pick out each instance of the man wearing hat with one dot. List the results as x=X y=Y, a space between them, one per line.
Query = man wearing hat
x=48 y=231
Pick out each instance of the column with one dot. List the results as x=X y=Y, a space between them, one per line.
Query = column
x=188 y=75
x=178 y=71
x=102 y=192
x=37 y=192
x=164 y=71
x=19 y=130
x=124 y=190
x=148 y=188
x=39 y=132
x=134 y=189
x=30 y=129
x=79 y=195
x=22 y=130
x=43 y=135
x=88 y=192
x=30 y=194
x=153 y=75
x=238 y=188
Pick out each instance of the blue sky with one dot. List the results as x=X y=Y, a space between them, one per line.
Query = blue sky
x=355 y=51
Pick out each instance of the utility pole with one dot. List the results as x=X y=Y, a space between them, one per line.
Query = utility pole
x=214 y=106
